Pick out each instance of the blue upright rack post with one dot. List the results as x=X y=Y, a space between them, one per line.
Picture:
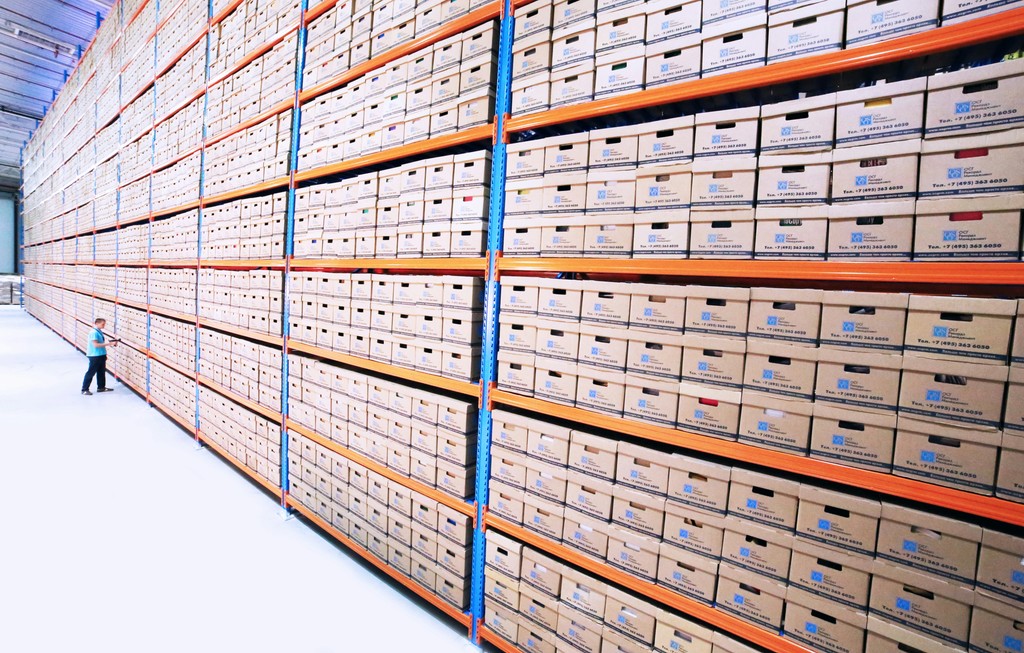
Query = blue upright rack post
x=489 y=355
x=199 y=212
x=289 y=244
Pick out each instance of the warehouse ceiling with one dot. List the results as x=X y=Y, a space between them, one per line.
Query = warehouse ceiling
x=40 y=41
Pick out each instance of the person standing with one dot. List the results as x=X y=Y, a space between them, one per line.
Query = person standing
x=97 y=354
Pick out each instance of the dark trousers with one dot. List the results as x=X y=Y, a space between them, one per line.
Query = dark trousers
x=97 y=368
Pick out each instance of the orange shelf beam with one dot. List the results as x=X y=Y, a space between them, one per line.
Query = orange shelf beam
x=226 y=11
x=171 y=263
x=896 y=486
x=271 y=487
x=603 y=570
x=319 y=10
x=239 y=399
x=471 y=135
x=894 y=272
x=460 y=264
x=454 y=503
x=457 y=26
x=273 y=184
x=238 y=331
x=497 y=641
x=403 y=580
x=980 y=30
x=433 y=380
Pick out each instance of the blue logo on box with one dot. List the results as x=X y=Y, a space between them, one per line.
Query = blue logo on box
x=860 y=180
x=723 y=52
x=940 y=332
x=780 y=238
x=592 y=394
x=705 y=315
x=839 y=440
x=1012 y=643
x=648 y=312
x=773 y=320
x=844 y=384
x=762 y=426
x=857 y=237
x=547 y=384
x=642 y=403
x=949 y=236
x=811 y=628
x=712 y=238
x=787 y=131
x=902 y=604
x=634 y=473
x=652 y=238
x=817 y=576
x=645 y=358
x=698 y=414
x=674 y=645
x=602 y=194
x=933 y=395
x=767 y=375
x=1017 y=576
x=849 y=327
x=738 y=599
x=664 y=67
x=782 y=185
x=653 y=191
x=865 y=121
x=910 y=546
x=824 y=524
x=794 y=38
x=657 y=147
x=877 y=18
x=744 y=552
x=752 y=504
x=702 y=366
x=962 y=107
x=712 y=188
x=927 y=456
x=594 y=351
x=716 y=138
x=606 y=152
x=684 y=534
x=954 y=173
x=688 y=489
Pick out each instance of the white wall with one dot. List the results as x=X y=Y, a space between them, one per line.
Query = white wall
x=8 y=238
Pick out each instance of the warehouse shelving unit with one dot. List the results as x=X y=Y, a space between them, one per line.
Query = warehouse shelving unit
x=947 y=277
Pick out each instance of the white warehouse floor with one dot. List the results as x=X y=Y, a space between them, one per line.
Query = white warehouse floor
x=120 y=535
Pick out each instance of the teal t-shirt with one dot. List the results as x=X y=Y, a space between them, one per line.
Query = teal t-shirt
x=93 y=350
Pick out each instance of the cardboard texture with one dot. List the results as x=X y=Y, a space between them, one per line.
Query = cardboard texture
x=840 y=520
x=960 y=328
x=859 y=439
x=962 y=457
x=1000 y=565
x=694 y=530
x=977 y=229
x=823 y=624
x=922 y=603
x=838 y=576
x=930 y=543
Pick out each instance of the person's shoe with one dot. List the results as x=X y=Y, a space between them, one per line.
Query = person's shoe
x=105 y=390
x=86 y=392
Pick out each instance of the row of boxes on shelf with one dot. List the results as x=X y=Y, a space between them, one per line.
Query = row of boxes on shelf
x=745 y=364
x=419 y=434
x=249 y=369
x=170 y=339
x=523 y=590
x=246 y=29
x=250 y=157
x=183 y=78
x=250 y=299
x=177 y=184
x=431 y=324
x=252 y=440
x=962 y=229
x=175 y=238
x=352 y=32
x=131 y=326
x=177 y=134
x=436 y=207
x=129 y=365
x=426 y=94
x=171 y=289
x=558 y=605
x=565 y=53
x=174 y=392
x=178 y=28
x=262 y=84
x=699 y=528
x=417 y=536
x=252 y=228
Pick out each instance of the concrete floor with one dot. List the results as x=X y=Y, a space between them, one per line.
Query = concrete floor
x=121 y=535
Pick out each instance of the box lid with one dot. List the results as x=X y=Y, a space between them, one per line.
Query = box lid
x=727 y=115
x=990 y=438
x=769 y=348
x=907 y=576
x=772 y=212
x=991 y=203
x=757 y=479
x=729 y=215
x=873 y=299
x=976 y=74
x=638 y=381
x=861 y=506
x=991 y=139
x=958 y=304
x=742 y=23
x=612 y=174
x=803 y=159
x=701 y=341
x=734 y=163
x=797 y=596
x=719 y=292
x=658 y=290
x=808 y=103
x=861 y=152
x=761 y=583
x=911 y=638
x=882 y=90
x=868 y=358
x=857 y=561
x=919 y=519
x=701 y=391
x=775 y=402
x=805 y=11
x=1003 y=542
x=808 y=295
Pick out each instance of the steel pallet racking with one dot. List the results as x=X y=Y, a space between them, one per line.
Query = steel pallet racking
x=951 y=277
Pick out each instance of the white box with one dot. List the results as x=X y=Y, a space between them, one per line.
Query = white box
x=735 y=44
x=880 y=113
x=722 y=234
x=883 y=172
x=805 y=125
x=791 y=232
x=661 y=234
x=663 y=187
x=673 y=60
x=979 y=228
x=868 y=21
x=574 y=44
x=665 y=141
x=615 y=147
x=972 y=165
x=793 y=179
x=882 y=231
x=668 y=19
x=723 y=182
x=729 y=132
x=531 y=93
x=806 y=30
x=714 y=12
x=573 y=85
x=984 y=98
x=957 y=11
x=620 y=71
